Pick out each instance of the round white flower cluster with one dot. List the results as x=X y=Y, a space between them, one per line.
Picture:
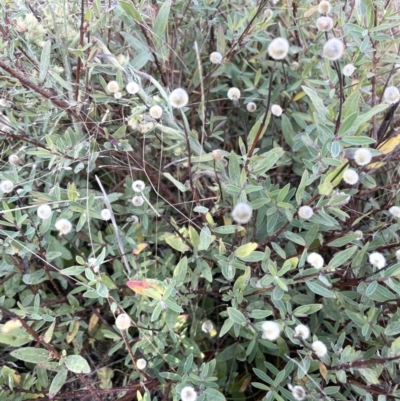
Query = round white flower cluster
x=276 y=110
x=63 y=226
x=350 y=176
x=324 y=24
x=233 y=94
x=305 y=212
x=362 y=156
x=315 y=260
x=123 y=321
x=333 y=49
x=319 y=348
x=302 y=331
x=216 y=57
x=377 y=259
x=278 y=48
x=348 y=70
x=242 y=213
x=270 y=330
x=178 y=98
x=391 y=95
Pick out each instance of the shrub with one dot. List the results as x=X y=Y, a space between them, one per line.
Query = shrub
x=199 y=200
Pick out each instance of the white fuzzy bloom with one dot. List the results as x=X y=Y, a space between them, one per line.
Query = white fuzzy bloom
x=391 y=95
x=305 y=212
x=324 y=7
x=123 y=321
x=362 y=156
x=302 y=331
x=141 y=364
x=11 y=325
x=64 y=226
x=207 y=326
x=156 y=111
x=233 y=94
x=268 y=13
x=138 y=186
x=276 y=110
x=278 y=48
x=188 y=394
x=178 y=98
x=350 y=176
x=348 y=70
x=295 y=66
x=251 y=107
x=315 y=260
x=242 y=213
x=117 y=95
x=359 y=234
x=137 y=201
x=44 y=211
x=216 y=57
x=395 y=211
x=105 y=214
x=324 y=24
x=6 y=186
x=132 y=88
x=333 y=49
x=134 y=219
x=377 y=259
x=92 y=262
x=319 y=348
x=3 y=102
x=398 y=255
x=113 y=86
x=298 y=393
x=270 y=330
x=14 y=160
x=217 y=155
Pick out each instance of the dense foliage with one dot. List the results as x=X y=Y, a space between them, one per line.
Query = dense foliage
x=199 y=200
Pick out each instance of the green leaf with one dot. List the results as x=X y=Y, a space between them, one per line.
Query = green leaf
x=176 y=243
x=214 y=395
x=236 y=316
x=341 y=257
x=369 y=375
x=130 y=10
x=357 y=140
x=307 y=309
x=77 y=364
x=392 y=329
x=267 y=161
x=45 y=60
x=225 y=327
x=339 y=242
x=178 y=184
x=255 y=129
x=297 y=239
x=245 y=250
x=58 y=381
x=316 y=101
x=180 y=271
x=16 y=338
x=302 y=187
x=161 y=21
x=348 y=124
x=205 y=238
x=319 y=289
x=229 y=229
x=32 y=355
x=364 y=118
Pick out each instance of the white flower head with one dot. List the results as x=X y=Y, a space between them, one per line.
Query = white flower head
x=138 y=186
x=324 y=24
x=362 y=156
x=306 y=212
x=359 y=234
x=207 y=326
x=319 y=348
x=132 y=87
x=350 y=176
x=216 y=57
x=276 y=110
x=242 y=213
x=44 y=211
x=178 y=98
x=315 y=260
x=324 y=7
x=92 y=262
x=141 y=363
x=14 y=160
x=113 y=86
x=348 y=70
x=63 y=226
x=268 y=13
x=11 y=325
x=117 y=95
x=6 y=186
x=156 y=111
x=123 y=321
x=395 y=211
x=295 y=66
x=217 y=155
x=251 y=107
x=298 y=393
x=188 y=394
x=270 y=330
x=278 y=48
x=398 y=255
x=302 y=331
x=105 y=214
x=377 y=259
x=391 y=95
x=233 y=94
x=333 y=49
x=134 y=219
x=137 y=201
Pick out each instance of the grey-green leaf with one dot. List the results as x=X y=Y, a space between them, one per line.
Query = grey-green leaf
x=57 y=382
x=77 y=364
x=31 y=354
